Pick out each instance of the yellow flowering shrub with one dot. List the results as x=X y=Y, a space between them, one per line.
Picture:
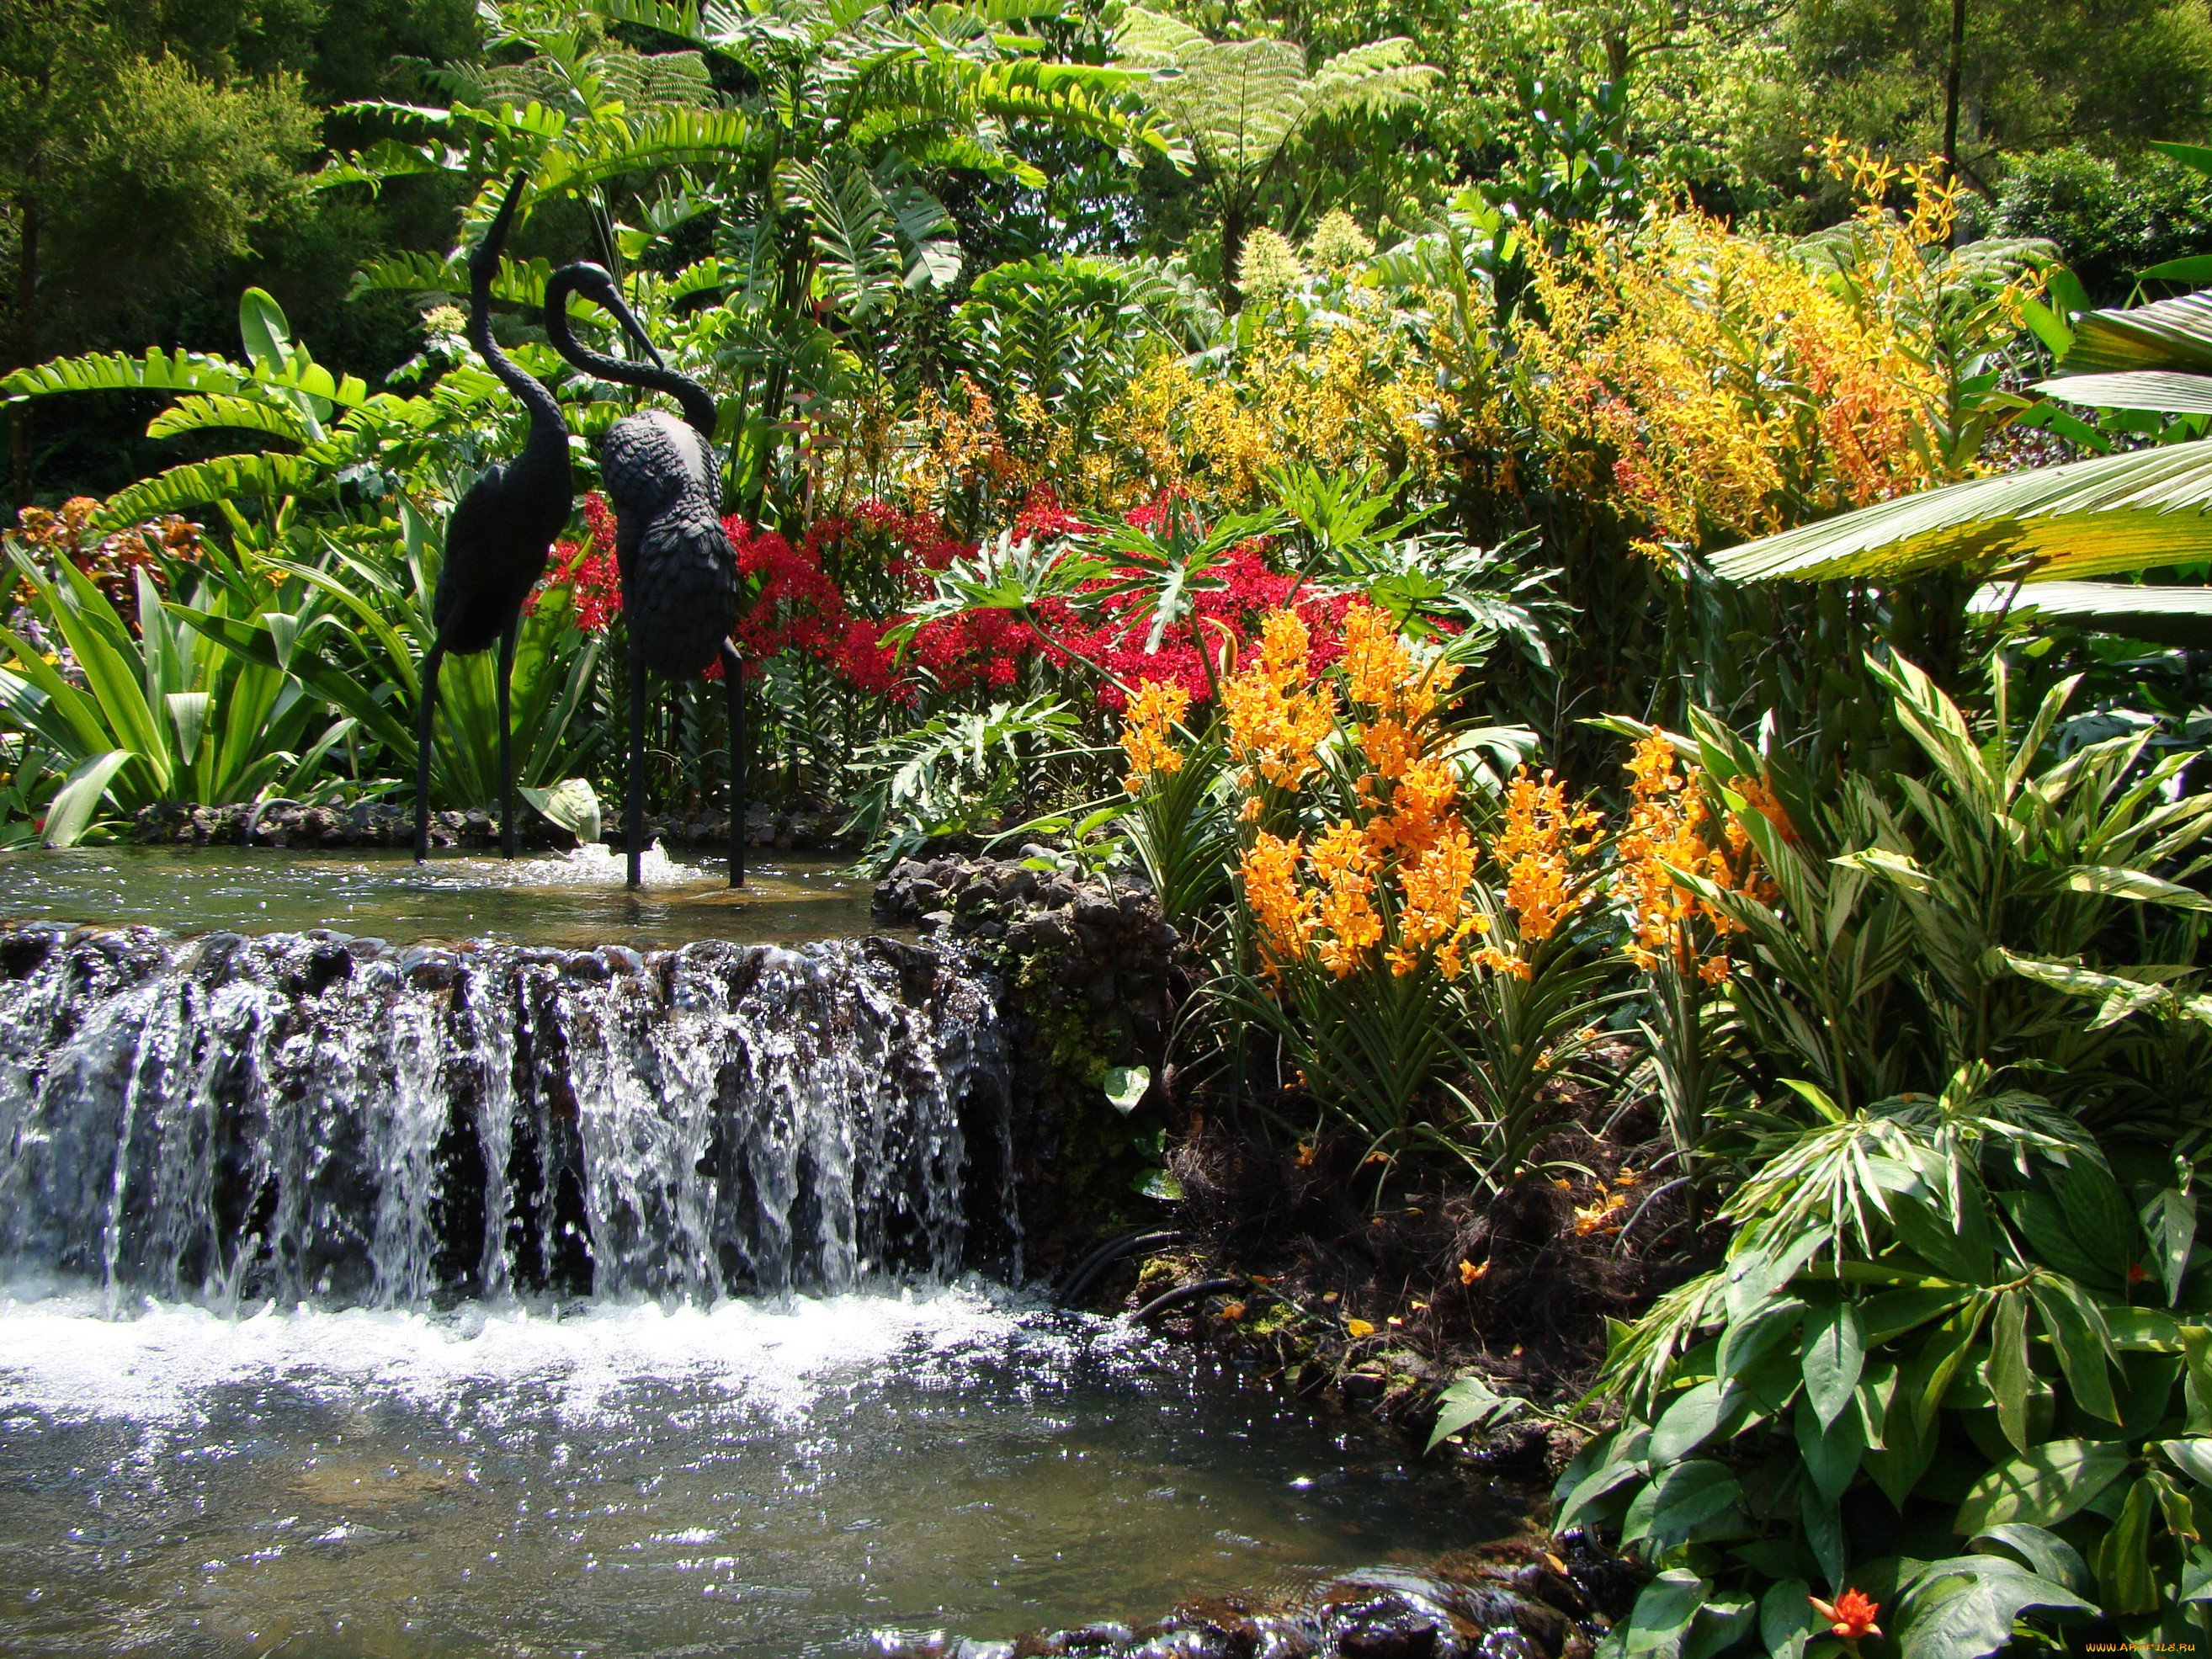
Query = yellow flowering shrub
x=1424 y=977
x=1391 y=878
x=1346 y=392
x=1717 y=386
x=1148 y=732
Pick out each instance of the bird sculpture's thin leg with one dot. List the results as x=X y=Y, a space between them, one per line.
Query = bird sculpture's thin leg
x=634 y=784
x=733 y=675
x=506 y=741
x=425 y=723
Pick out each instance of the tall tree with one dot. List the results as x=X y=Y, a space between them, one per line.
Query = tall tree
x=124 y=175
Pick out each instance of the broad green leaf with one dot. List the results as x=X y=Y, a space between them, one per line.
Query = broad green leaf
x=2043 y=1486
x=1834 y=1349
x=268 y=336
x=1679 y=1500
x=2169 y=334
x=2137 y=885
x=2098 y=1214
x=74 y=802
x=1943 y=1354
x=1157 y=1184
x=2130 y=511
x=1471 y=1403
x=2192 y=1457
x=1966 y=1608
x=1830 y=1451
x=1693 y=1419
x=2010 y=1375
x=1745 y=1342
x=1718 y=1626
x=1663 y=1610
x=1785 y=1618
x=2078 y=1332
x=1125 y=1086
x=2169 y=1222
x=2196 y=1347
x=1582 y=1499
x=2042 y=1224
x=572 y=804
x=2125 y=1579
x=2171 y=614
x=2046 y=1553
x=2156 y=390
x=1824 y=1533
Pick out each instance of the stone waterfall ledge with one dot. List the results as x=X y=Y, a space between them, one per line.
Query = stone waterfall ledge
x=808 y=826
x=1090 y=981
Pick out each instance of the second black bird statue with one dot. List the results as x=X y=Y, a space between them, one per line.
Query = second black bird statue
x=497 y=540
x=680 y=580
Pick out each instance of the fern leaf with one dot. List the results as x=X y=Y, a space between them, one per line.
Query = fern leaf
x=203 y=412
x=157 y=371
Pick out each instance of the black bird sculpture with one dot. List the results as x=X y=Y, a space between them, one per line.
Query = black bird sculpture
x=679 y=580
x=497 y=540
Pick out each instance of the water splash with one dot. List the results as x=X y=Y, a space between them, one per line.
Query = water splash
x=309 y=1116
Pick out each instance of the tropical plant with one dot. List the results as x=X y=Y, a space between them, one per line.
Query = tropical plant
x=163 y=712
x=1964 y=1290
x=1373 y=941
x=1241 y=105
x=2133 y=510
x=954 y=774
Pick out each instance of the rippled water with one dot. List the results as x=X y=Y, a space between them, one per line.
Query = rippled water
x=758 y=1479
x=567 y=899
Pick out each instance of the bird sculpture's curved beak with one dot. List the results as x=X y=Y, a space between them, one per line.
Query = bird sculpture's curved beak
x=632 y=327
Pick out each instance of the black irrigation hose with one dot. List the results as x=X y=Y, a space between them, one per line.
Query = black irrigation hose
x=1088 y=1270
x=1183 y=1293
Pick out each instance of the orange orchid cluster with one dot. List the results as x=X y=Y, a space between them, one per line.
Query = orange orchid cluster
x=1148 y=732
x=1396 y=874
x=1545 y=843
x=1276 y=722
x=1667 y=830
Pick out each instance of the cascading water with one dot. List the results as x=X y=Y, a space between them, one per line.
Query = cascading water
x=295 y=1116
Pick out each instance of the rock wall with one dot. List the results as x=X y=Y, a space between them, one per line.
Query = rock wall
x=1090 y=982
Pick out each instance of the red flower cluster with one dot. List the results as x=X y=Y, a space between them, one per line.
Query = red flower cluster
x=797 y=603
x=1225 y=617
x=590 y=573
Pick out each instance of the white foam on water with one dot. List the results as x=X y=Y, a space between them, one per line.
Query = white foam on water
x=61 y=1357
x=600 y=865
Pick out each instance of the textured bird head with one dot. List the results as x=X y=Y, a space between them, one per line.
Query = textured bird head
x=483 y=261
x=596 y=284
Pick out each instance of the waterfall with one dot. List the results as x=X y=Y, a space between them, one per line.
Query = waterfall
x=313 y=1116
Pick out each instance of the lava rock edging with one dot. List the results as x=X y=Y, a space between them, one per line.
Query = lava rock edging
x=1507 y=1600
x=803 y=828
x=1091 y=981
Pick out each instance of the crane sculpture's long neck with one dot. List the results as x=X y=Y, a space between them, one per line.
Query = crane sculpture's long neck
x=548 y=432
x=696 y=402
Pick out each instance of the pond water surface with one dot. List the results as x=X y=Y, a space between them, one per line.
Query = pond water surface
x=758 y=1479
x=571 y=900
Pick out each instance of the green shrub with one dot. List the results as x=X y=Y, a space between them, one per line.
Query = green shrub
x=2110 y=221
x=1958 y=1356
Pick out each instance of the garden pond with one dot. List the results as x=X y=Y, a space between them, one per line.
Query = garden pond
x=567 y=899
x=496 y=1295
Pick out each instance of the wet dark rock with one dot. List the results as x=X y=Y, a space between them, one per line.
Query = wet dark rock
x=1503 y=1602
x=1090 y=982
